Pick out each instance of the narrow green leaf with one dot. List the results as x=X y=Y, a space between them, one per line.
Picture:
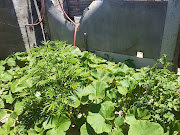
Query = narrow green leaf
x=178 y=80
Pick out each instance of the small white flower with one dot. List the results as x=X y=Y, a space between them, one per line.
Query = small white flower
x=15 y=77
x=79 y=115
x=150 y=101
x=119 y=113
x=38 y=94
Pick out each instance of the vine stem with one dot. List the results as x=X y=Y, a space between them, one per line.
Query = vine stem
x=8 y=110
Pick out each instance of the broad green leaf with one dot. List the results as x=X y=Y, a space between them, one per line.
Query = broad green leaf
x=32 y=132
x=54 y=131
x=21 y=84
x=122 y=90
x=119 y=121
x=2 y=68
x=96 y=59
x=107 y=109
x=21 y=56
x=112 y=93
x=57 y=125
x=49 y=123
x=130 y=119
x=62 y=123
x=116 y=131
x=4 y=129
x=14 y=131
x=135 y=113
x=13 y=71
x=11 y=62
x=123 y=87
x=126 y=85
x=2 y=62
x=38 y=127
x=1 y=103
x=19 y=106
x=124 y=68
x=143 y=114
x=2 y=113
x=113 y=68
x=74 y=60
x=76 y=98
x=98 y=123
x=9 y=99
x=12 y=118
x=102 y=75
x=75 y=51
x=6 y=77
x=96 y=90
x=86 y=129
x=74 y=101
x=144 y=127
x=94 y=66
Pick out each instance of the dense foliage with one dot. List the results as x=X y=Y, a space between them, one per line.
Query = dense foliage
x=56 y=89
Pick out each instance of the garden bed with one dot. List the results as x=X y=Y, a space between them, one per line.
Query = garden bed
x=56 y=89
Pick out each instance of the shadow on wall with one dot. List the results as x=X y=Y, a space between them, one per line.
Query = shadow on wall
x=122 y=27
x=10 y=35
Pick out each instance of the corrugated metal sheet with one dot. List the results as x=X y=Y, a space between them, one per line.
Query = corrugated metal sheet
x=76 y=7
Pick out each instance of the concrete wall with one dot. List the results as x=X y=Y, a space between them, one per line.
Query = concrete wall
x=117 y=28
x=126 y=27
x=10 y=34
x=14 y=35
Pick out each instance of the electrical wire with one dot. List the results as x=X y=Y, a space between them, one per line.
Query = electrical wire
x=18 y=26
x=75 y=25
x=41 y=18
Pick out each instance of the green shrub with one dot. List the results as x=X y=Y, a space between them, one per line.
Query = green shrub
x=56 y=89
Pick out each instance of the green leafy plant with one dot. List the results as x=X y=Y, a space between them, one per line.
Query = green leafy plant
x=57 y=89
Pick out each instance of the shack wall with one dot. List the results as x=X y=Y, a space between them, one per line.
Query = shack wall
x=10 y=34
x=114 y=26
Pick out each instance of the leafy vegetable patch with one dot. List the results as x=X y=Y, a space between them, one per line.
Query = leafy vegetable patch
x=56 y=89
